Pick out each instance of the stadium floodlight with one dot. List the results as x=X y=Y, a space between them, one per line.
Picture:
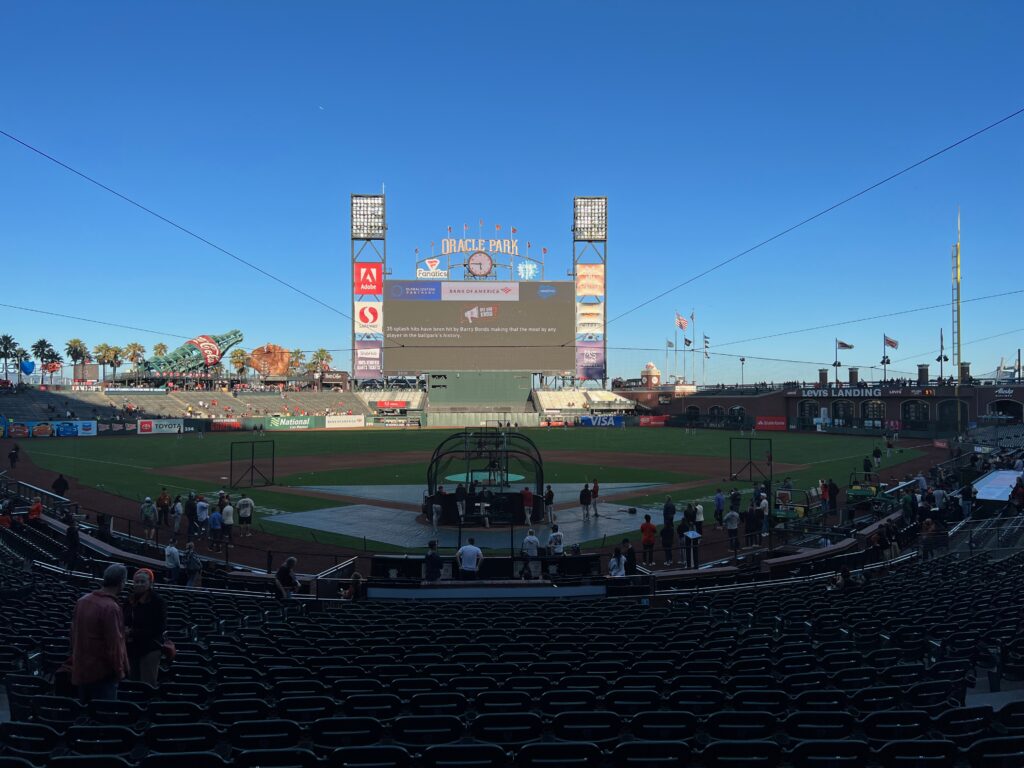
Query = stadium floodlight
x=590 y=219
x=368 y=217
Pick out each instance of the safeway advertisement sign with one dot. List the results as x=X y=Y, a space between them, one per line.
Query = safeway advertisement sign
x=368 y=279
x=369 y=317
x=770 y=423
x=160 y=426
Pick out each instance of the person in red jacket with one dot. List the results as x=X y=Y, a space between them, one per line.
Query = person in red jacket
x=99 y=656
x=648 y=537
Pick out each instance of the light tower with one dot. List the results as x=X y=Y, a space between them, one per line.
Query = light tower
x=589 y=272
x=369 y=267
x=956 y=302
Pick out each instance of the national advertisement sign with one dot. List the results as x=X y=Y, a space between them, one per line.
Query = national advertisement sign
x=346 y=421
x=291 y=422
x=67 y=428
x=601 y=421
x=770 y=423
x=160 y=426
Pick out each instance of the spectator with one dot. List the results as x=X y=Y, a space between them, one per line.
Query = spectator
x=469 y=558
x=877 y=456
x=216 y=530
x=163 y=507
x=432 y=565
x=460 y=500
x=762 y=514
x=172 y=561
x=228 y=521
x=35 y=512
x=71 y=543
x=595 y=491
x=927 y=538
x=192 y=516
x=648 y=537
x=630 y=554
x=285 y=581
x=668 y=513
x=667 y=541
x=732 y=524
x=60 y=485
x=355 y=588
x=527 y=495
x=245 y=509
x=833 y=496
x=556 y=541
x=585 y=499
x=145 y=615
x=148 y=514
x=99 y=657
x=193 y=566
x=177 y=512
x=617 y=565
x=202 y=515
x=12 y=458
x=549 y=505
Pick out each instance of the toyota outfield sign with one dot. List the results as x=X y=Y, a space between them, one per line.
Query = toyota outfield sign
x=160 y=426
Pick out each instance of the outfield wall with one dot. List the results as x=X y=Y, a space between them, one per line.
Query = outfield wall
x=477 y=418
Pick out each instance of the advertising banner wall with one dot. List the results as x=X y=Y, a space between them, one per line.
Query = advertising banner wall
x=26 y=429
x=295 y=422
x=601 y=421
x=653 y=421
x=160 y=426
x=136 y=390
x=225 y=425
x=390 y=404
x=345 y=421
x=770 y=423
x=368 y=359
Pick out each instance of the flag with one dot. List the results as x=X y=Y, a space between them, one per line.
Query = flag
x=528 y=244
x=707 y=355
x=669 y=344
x=449 y=230
x=681 y=323
x=891 y=342
x=693 y=317
x=706 y=339
x=481 y=222
x=497 y=227
x=544 y=251
x=514 y=230
x=465 y=227
x=417 y=250
x=942 y=345
x=687 y=342
x=843 y=345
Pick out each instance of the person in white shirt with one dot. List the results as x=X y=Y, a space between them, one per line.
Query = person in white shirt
x=469 y=556
x=556 y=542
x=228 y=521
x=177 y=509
x=762 y=509
x=244 y=509
x=202 y=515
x=172 y=559
x=617 y=565
x=699 y=519
x=531 y=548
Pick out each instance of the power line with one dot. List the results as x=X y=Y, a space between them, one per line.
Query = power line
x=819 y=214
x=966 y=343
x=171 y=222
x=97 y=322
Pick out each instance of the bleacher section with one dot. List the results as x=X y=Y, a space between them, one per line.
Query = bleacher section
x=561 y=401
x=603 y=400
x=414 y=397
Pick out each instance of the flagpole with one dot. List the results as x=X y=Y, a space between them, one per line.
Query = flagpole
x=675 y=353
x=835 y=363
x=693 y=347
x=884 y=357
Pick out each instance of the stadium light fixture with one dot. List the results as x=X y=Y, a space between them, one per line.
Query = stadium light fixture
x=590 y=219
x=368 y=217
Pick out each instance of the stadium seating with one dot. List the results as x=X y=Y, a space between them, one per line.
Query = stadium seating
x=774 y=675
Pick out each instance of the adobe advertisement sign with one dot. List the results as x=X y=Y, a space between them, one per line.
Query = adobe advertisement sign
x=368 y=278
x=368 y=359
x=770 y=423
x=485 y=325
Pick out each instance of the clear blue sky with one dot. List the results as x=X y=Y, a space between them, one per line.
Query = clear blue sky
x=709 y=127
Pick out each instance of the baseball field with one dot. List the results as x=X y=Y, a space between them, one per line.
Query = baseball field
x=687 y=466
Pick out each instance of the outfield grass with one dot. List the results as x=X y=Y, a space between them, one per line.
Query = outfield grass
x=136 y=467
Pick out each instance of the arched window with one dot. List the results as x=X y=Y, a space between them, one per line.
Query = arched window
x=842 y=413
x=737 y=413
x=1010 y=408
x=872 y=411
x=915 y=414
x=806 y=412
x=716 y=413
x=692 y=413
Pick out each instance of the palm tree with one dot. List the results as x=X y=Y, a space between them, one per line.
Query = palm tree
x=39 y=350
x=51 y=356
x=101 y=354
x=21 y=355
x=323 y=359
x=298 y=358
x=238 y=360
x=135 y=353
x=115 y=356
x=76 y=351
x=160 y=349
x=8 y=346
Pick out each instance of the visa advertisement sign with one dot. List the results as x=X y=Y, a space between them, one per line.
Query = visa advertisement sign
x=602 y=421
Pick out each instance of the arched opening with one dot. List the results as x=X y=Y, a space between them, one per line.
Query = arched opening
x=737 y=414
x=872 y=412
x=716 y=414
x=806 y=412
x=949 y=419
x=842 y=413
x=1011 y=408
x=915 y=414
x=692 y=413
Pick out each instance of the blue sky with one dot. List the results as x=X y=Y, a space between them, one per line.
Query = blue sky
x=709 y=126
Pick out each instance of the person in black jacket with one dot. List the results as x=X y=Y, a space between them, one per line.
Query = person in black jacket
x=71 y=541
x=630 y=554
x=585 y=499
x=460 y=500
x=432 y=563
x=145 y=619
x=667 y=540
